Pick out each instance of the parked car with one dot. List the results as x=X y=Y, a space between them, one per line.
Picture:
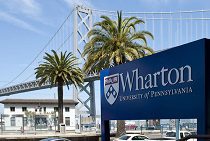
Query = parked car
x=172 y=134
x=163 y=139
x=130 y=137
x=55 y=139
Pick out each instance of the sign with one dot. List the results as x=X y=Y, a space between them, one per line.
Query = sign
x=166 y=85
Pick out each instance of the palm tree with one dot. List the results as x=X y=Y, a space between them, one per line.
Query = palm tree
x=59 y=70
x=113 y=43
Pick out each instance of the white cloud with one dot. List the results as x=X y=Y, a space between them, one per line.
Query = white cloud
x=73 y=3
x=30 y=8
x=17 y=22
x=27 y=10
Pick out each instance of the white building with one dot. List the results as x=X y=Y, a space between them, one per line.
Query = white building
x=37 y=114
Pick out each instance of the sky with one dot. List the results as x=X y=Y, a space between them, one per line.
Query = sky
x=27 y=25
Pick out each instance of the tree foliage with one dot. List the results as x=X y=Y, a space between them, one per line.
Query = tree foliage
x=59 y=70
x=115 y=42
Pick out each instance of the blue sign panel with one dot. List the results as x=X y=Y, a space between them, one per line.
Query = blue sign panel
x=169 y=84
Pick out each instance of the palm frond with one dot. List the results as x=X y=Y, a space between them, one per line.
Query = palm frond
x=59 y=67
x=113 y=42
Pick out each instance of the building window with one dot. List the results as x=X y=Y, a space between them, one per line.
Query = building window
x=45 y=109
x=38 y=109
x=56 y=109
x=24 y=109
x=67 y=121
x=66 y=109
x=12 y=109
x=12 y=119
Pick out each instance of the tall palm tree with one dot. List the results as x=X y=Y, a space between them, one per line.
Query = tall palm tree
x=113 y=43
x=59 y=70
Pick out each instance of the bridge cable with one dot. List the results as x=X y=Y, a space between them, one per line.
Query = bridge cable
x=56 y=50
x=40 y=51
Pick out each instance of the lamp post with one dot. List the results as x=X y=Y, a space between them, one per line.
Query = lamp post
x=177 y=129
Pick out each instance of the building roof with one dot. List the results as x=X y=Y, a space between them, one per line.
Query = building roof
x=36 y=101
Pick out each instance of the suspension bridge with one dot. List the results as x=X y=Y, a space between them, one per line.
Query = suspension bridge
x=170 y=29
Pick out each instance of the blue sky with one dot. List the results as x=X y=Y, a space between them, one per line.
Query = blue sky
x=27 y=25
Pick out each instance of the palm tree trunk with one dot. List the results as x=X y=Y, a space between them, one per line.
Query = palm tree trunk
x=120 y=123
x=120 y=128
x=60 y=103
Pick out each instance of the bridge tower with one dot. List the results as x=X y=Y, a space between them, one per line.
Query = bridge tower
x=82 y=25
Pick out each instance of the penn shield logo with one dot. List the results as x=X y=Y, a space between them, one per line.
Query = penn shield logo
x=111 y=88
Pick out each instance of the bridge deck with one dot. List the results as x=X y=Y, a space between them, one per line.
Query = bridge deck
x=34 y=85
